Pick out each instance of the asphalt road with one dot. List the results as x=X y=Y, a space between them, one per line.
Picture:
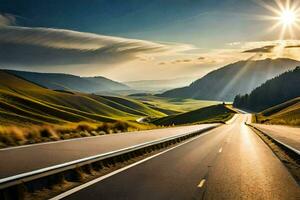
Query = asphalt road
x=230 y=162
x=286 y=134
x=33 y=157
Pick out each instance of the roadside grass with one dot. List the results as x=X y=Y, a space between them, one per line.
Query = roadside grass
x=287 y=113
x=211 y=114
x=16 y=135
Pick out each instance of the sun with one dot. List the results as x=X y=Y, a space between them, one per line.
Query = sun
x=288 y=17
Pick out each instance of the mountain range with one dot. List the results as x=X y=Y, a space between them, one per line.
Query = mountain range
x=159 y=85
x=241 y=77
x=67 y=82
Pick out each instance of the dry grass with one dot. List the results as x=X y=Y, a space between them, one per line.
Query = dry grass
x=287 y=113
x=14 y=135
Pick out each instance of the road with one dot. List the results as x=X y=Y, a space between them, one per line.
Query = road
x=286 y=134
x=33 y=157
x=229 y=162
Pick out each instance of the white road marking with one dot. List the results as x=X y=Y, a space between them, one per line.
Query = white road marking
x=76 y=189
x=201 y=183
x=220 y=150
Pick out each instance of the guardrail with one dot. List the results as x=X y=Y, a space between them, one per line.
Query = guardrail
x=56 y=169
x=288 y=147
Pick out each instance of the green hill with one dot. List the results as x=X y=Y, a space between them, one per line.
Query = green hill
x=23 y=102
x=211 y=114
x=273 y=92
x=237 y=78
x=287 y=113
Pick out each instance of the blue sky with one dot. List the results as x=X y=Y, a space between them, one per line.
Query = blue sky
x=190 y=21
x=176 y=30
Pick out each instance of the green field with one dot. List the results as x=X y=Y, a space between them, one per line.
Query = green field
x=287 y=113
x=211 y=114
x=174 y=104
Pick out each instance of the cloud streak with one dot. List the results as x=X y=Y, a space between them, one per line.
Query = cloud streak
x=264 y=49
x=7 y=19
x=24 y=46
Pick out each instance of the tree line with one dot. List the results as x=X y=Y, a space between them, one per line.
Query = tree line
x=273 y=92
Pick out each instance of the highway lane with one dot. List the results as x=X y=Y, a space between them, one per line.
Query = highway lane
x=286 y=134
x=230 y=162
x=33 y=157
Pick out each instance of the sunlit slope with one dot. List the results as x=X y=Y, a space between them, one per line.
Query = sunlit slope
x=241 y=77
x=287 y=113
x=25 y=102
x=273 y=92
x=210 y=114
x=135 y=105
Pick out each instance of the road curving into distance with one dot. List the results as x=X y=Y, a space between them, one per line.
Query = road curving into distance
x=229 y=162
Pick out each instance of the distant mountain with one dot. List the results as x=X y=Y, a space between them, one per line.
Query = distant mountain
x=57 y=81
x=238 y=78
x=107 y=84
x=159 y=85
x=273 y=92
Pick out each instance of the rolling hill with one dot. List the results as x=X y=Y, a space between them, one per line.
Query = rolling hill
x=287 y=113
x=211 y=114
x=23 y=102
x=273 y=92
x=67 y=82
x=238 y=78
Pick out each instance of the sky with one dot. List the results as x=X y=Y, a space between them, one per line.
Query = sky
x=140 y=39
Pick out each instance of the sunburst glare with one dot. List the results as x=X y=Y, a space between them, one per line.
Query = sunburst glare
x=288 y=17
x=285 y=14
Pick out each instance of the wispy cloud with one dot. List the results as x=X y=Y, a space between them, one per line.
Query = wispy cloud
x=264 y=46
x=264 y=49
x=24 y=46
x=7 y=19
x=269 y=49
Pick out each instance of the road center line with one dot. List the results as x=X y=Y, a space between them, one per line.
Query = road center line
x=201 y=183
x=80 y=187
